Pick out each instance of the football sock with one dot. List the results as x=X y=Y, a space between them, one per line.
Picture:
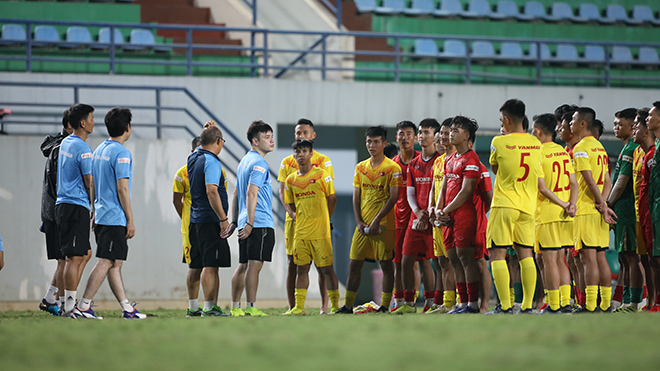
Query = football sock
x=636 y=295
x=583 y=297
x=250 y=304
x=545 y=297
x=50 y=294
x=553 y=298
x=126 y=306
x=501 y=279
x=528 y=278
x=415 y=296
x=473 y=294
x=334 y=298
x=84 y=304
x=385 y=299
x=657 y=297
x=518 y=292
x=591 y=297
x=193 y=304
x=70 y=300
x=461 y=287
x=437 y=297
x=605 y=297
x=349 y=298
x=301 y=295
x=409 y=297
x=645 y=294
x=565 y=295
x=512 y=294
x=398 y=298
x=626 y=294
x=448 y=298
x=428 y=298
x=208 y=305
x=62 y=301
x=235 y=304
x=618 y=294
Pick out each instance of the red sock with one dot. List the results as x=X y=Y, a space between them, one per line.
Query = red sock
x=409 y=295
x=437 y=298
x=618 y=294
x=583 y=298
x=429 y=294
x=657 y=298
x=645 y=293
x=461 y=287
x=398 y=294
x=473 y=292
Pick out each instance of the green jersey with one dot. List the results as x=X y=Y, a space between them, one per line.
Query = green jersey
x=624 y=208
x=654 y=186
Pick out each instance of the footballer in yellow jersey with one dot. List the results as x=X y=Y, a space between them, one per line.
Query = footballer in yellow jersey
x=310 y=193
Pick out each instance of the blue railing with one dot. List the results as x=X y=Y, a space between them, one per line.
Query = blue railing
x=261 y=55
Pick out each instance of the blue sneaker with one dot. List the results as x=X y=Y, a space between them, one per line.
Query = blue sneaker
x=498 y=310
x=457 y=310
x=89 y=313
x=465 y=310
x=52 y=308
x=133 y=314
x=526 y=311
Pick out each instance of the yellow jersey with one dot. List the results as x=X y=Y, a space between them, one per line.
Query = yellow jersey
x=518 y=160
x=589 y=154
x=438 y=175
x=638 y=161
x=374 y=185
x=557 y=170
x=310 y=193
x=290 y=166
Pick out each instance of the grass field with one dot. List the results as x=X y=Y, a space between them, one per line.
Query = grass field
x=169 y=341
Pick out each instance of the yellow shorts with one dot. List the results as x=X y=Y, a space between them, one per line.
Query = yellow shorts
x=289 y=229
x=590 y=231
x=376 y=247
x=438 y=243
x=320 y=251
x=553 y=236
x=186 y=248
x=507 y=226
x=641 y=245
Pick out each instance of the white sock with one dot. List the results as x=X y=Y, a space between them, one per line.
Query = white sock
x=462 y=305
x=50 y=294
x=474 y=304
x=411 y=304
x=126 y=306
x=208 y=305
x=70 y=300
x=193 y=304
x=84 y=304
x=235 y=304
x=398 y=302
x=62 y=301
x=250 y=304
x=429 y=302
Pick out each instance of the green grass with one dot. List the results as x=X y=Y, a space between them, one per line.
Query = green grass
x=169 y=341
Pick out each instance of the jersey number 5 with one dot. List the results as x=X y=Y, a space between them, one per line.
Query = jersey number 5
x=524 y=165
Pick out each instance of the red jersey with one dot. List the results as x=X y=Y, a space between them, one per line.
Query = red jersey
x=458 y=167
x=644 y=212
x=402 y=209
x=484 y=185
x=420 y=176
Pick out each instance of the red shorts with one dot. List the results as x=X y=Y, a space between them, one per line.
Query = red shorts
x=647 y=228
x=419 y=244
x=398 y=248
x=480 y=249
x=463 y=231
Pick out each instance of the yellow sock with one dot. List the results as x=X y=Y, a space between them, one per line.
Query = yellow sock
x=545 y=297
x=301 y=295
x=565 y=295
x=553 y=299
x=512 y=294
x=592 y=296
x=528 y=278
x=386 y=298
x=334 y=298
x=416 y=295
x=448 y=298
x=502 y=282
x=605 y=297
x=349 y=298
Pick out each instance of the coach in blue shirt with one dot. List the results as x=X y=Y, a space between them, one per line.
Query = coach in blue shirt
x=254 y=199
x=208 y=216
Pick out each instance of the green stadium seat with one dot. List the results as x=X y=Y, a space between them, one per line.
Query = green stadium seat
x=420 y=7
x=619 y=14
x=13 y=34
x=391 y=7
x=644 y=14
x=449 y=8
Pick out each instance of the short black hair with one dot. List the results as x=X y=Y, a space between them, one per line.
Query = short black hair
x=196 y=142
x=376 y=131
x=117 y=121
x=514 y=108
x=65 y=118
x=587 y=114
x=77 y=113
x=568 y=115
x=525 y=123
x=304 y=121
x=546 y=122
x=210 y=135
x=597 y=128
x=564 y=109
x=302 y=143
x=656 y=104
x=628 y=114
x=257 y=127
x=643 y=113
x=446 y=122
x=468 y=124
x=391 y=150
x=430 y=123
x=406 y=124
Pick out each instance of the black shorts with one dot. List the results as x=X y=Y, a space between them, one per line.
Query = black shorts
x=73 y=226
x=207 y=249
x=258 y=246
x=111 y=242
x=53 y=245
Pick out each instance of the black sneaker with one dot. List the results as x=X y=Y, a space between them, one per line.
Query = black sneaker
x=382 y=309
x=566 y=309
x=547 y=310
x=579 y=309
x=498 y=310
x=344 y=310
x=526 y=311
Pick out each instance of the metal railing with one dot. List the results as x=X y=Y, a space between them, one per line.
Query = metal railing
x=261 y=55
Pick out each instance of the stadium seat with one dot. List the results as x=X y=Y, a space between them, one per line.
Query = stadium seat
x=483 y=50
x=104 y=38
x=420 y=7
x=648 y=56
x=644 y=14
x=454 y=49
x=594 y=54
x=365 y=6
x=562 y=12
x=535 y=10
x=13 y=34
x=508 y=9
x=449 y=8
x=511 y=51
x=533 y=53
x=140 y=40
x=46 y=36
x=426 y=48
x=77 y=37
x=618 y=13
x=591 y=13
x=621 y=55
x=391 y=7
x=566 y=53
x=479 y=9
